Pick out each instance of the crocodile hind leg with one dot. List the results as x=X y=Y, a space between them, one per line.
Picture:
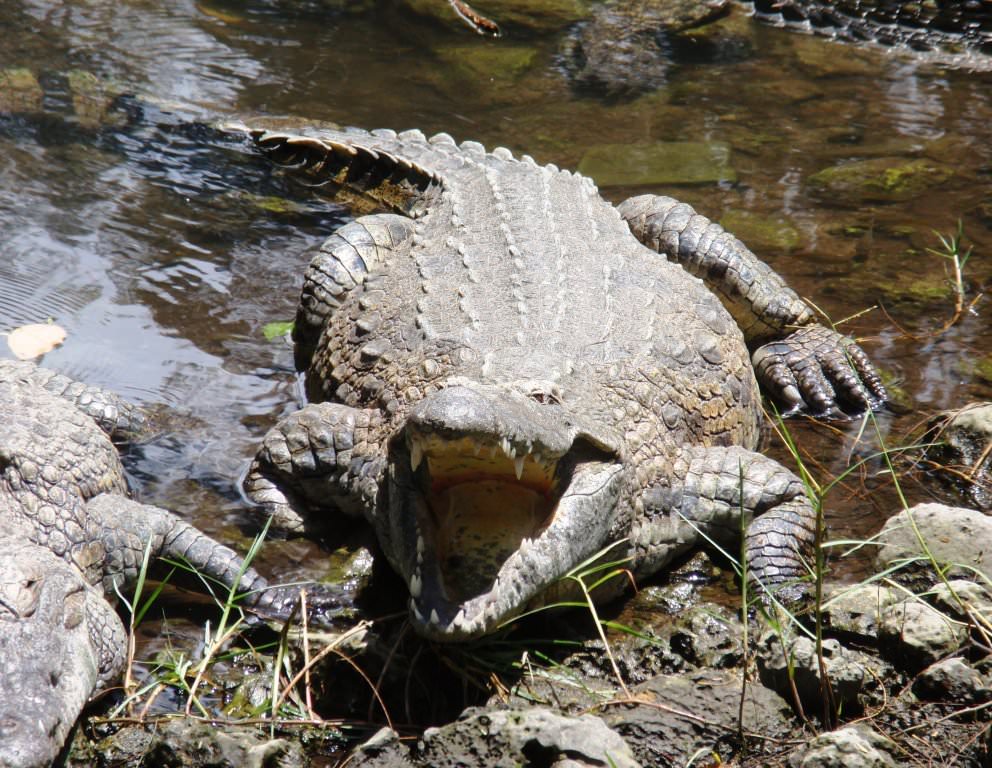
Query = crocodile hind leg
x=340 y=266
x=314 y=463
x=706 y=492
x=813 y=368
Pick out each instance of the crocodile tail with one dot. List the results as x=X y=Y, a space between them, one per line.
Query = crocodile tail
x=346 y=161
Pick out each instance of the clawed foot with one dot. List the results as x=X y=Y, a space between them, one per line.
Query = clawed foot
x=820 y=371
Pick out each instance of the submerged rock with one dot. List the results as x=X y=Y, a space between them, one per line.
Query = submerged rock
x=673 y=162
x=499 y=65
x=20 y=92
x=762 y=233
x=883 y=179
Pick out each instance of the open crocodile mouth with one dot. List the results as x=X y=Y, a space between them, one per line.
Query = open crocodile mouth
x=488 y=531
x=483 y=499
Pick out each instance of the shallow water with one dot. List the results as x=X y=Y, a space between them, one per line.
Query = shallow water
x=164 y=252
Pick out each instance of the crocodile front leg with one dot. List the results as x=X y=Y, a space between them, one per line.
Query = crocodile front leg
x=814 y=367
x=116 y=416
x=704 y=497
x=340 y=266
x=121 y=529
x=317 y=461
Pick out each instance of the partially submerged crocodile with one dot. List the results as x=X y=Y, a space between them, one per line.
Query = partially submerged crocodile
x=626 y=46
x=70 y=539
x=509 y=375
x=960 y=30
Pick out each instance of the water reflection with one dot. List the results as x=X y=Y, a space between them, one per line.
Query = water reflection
x=916 y=103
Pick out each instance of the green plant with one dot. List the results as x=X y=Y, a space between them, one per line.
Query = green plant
x=951 y=250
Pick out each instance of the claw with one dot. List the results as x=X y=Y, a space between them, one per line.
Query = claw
x=819 y=371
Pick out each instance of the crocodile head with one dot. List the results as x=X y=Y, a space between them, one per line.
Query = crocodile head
x=53 y=627
x=494 y=494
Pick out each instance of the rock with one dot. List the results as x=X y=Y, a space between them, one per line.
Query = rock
x=962 y=599
x=685 y=715
x=856 y=746
x=965 y=438
x=501 y=738
x=186 y=743
x=499 y=65
x=956 y=537
x=20 y=92
x=709 y=636
x=915 y=634
x=674 y=162
x=883 y=179
x=952 y=680
x=799 y=666
x=93 y=100
x=855 y=611
x=383 y=750
x=762 y=233
x=511 y=737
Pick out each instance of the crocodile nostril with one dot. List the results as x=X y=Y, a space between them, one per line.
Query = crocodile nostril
x=9 y=727
x=54 y=677
x=542 y=391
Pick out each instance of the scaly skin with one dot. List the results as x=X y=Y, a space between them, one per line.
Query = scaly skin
x=959 y=32
x=510 y=375
x=70 y=540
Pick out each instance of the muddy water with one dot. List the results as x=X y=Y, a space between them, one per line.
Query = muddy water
x=164 y=252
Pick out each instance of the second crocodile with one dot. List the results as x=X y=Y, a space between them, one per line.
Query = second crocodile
x=70 y=541
x=510 y=375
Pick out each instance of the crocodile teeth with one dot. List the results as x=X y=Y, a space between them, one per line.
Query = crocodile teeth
x=416 y=455
x=416 y=611
x=435 y=619
x=518 y=466
x=416 y=585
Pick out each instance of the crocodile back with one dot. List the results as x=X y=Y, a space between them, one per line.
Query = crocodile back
x=517 y=273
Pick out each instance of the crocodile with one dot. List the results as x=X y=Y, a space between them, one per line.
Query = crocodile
x=71 y=540
x=626 y=48
x=508 y=376
x=957 y=32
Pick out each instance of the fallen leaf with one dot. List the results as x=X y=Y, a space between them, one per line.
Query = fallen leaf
x=35 y=339
x=276 y=329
